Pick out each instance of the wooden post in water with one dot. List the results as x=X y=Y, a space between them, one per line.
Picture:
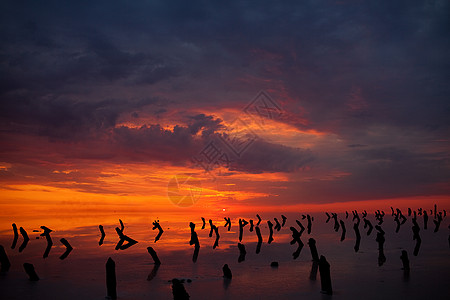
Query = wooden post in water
x=29 y=269
x=325 y=277
x=405 y=260
x=111 y=279
x=152 y=252
x=4 y=260
x=312 y=247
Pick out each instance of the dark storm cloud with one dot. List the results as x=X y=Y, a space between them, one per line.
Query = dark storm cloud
x=263 y=156
x=368 y=72
x=180 y=144
x=65 y=119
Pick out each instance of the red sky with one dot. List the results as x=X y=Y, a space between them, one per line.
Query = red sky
x=101 y=108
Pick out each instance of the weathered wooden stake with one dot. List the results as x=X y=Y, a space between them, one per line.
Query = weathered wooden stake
x=154 y=255
x=325 y=277
x=29 y=269
x=4 y=260
x=111 y=278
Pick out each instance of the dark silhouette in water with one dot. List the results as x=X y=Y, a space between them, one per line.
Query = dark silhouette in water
x=226 y=272
x=259 y=220
x=343 y=230
x=68 y=248
x=122 y=227
x=46 y=233
x=258 y=234
x=336 y=222
x=313 y=272
x=364 y=214
x=194 y=241
x=124 y=238
x=409 y=212
x=368 y=224
x=100 y=242
x=251 y=225
x=328 y=217
x=270 y=240
x=242 y=224
x=396 y=219
x=379 y=215
x=425 y=220
x=419 y=211
x=449 y=237
x=4 y=261
x=29 y=269
x=153 y=273
x=157 y=226
x=203 y=223
x=211 y=230
x=178 y=290
x=277 y=224
x=313 y=249
x=155 y=257
x=242 y=252
x=16 y=236
x=397 y=216
x=25 y=239
x=302 y=228
x=437 y=222
x=416 y=236
x=216 y=242
x=157 y=262
x=325 y=276
x=380 y=240
x=195 y=255
x=435 y=210
x=228 y=223
x=296 y=239
x=405 y=260
x=309 y=225
x=346 y=214
x=274 y=264
x=194 y=237
x=283 y=217
x=111 y=278
x=357 y=233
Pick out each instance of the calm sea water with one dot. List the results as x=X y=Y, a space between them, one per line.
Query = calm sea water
x=354 y=275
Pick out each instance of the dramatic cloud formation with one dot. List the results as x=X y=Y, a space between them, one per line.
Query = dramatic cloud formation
x=362 y=87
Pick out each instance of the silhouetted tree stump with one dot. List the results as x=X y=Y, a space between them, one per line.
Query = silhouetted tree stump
x=111 y=279
x=4 y=261
x=26 y=239
x=325 y=276
x=313 y=249
x=242 y=252
x=68 y=249
x=178 y=290
x=405 y=260
x=226 y=271
x=258 y=234
x=152 y=252
x=270 y=240
x=16 y=236
x=100 y=242
x=29 y=269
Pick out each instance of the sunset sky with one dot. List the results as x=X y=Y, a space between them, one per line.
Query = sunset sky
x=104 y=103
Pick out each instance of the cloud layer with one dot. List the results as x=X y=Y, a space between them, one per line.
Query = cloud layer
x=150 y=82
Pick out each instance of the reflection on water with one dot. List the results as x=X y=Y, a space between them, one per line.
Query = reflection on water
x=353 y=274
